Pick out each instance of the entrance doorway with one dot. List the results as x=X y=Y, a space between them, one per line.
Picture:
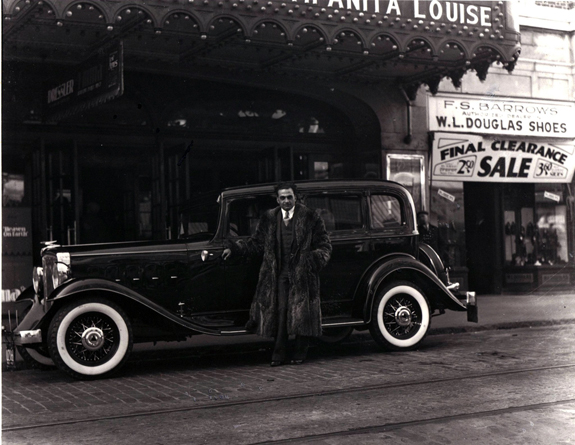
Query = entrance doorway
x=102 y=205
x=483 y=235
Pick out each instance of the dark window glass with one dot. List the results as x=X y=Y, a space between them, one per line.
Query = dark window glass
x=385 y=212
x=199 y=215
x=224 y=109
x=339 y=211
x=244 y=214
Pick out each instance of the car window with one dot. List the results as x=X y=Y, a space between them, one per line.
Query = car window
x=339 y=211
x=385 y=212
x=244 y=214
x=199 y=215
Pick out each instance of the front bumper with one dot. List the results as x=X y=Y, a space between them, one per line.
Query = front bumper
x=27 y=337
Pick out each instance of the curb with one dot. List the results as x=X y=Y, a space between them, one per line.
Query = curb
x=501 y=326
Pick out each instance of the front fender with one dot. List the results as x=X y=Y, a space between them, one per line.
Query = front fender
x=406 y=268
x=78 y=287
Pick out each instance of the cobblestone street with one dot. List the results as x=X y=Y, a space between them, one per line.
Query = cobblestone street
x=192 y=379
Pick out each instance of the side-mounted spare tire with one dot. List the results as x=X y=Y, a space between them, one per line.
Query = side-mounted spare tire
x=400 y=316
x=36 y=358
x=90 y=338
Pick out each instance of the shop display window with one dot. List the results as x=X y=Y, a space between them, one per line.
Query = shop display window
x=536 y=223
x=447 y=213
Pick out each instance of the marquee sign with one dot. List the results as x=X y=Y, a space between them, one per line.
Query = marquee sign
x=95 y=81
x=474 y=158
x=499 y=115
x=453 y=12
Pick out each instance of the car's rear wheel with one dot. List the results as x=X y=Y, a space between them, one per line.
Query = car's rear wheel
x=401 y=317
x=36 y=358
x=90 y=338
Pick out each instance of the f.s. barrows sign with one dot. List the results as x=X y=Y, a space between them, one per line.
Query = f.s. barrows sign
x=480 y=159
x=504 y=116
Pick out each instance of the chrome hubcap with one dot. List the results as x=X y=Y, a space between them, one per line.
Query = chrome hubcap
x=93 y=338
x=403 y=316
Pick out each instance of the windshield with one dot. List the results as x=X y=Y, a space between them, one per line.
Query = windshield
x=198 y=216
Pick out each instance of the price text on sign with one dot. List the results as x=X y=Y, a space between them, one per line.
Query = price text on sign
x=475 y=158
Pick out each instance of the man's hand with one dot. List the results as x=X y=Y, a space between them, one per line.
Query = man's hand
x=226 y=254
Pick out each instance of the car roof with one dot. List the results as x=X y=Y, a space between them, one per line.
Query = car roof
x=318 y=184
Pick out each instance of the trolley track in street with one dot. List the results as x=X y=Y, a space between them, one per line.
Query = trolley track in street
x=326 y=393
x=376 y=429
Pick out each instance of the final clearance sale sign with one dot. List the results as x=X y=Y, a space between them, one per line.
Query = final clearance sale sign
x=495 y=115
x=474 y=158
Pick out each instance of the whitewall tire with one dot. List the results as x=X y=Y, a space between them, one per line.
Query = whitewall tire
x=400 y=317
x=90 y=338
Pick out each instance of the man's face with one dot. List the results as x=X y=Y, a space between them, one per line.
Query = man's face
x=286 y=199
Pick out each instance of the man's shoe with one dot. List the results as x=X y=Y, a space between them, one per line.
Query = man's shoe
x=296 y=362
x=275 y=363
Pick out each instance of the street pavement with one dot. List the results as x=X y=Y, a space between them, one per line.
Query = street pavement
x=207 y=371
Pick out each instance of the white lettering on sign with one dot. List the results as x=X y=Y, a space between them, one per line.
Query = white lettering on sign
x=62 y=90
x=495 y=115
x=552 y=196
x=458 y=157
x=446 y=195
x=463 y=13
x=15 y=232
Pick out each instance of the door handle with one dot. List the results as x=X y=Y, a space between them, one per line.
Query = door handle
x=205 y=255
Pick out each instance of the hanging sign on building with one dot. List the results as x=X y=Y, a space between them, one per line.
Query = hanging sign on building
x=498 y=115
x=475 y=158
x=95 y=81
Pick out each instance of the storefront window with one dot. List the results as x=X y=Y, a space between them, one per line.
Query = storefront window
x=550 y=237
x=535 y=225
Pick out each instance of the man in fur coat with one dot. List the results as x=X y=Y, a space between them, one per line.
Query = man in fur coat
x=295 y=247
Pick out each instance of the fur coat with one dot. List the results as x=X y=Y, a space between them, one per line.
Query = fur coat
x=311 y=250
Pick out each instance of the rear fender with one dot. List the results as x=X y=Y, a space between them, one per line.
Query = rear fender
x=429 y=257
x=405 y=268
x=120 y=294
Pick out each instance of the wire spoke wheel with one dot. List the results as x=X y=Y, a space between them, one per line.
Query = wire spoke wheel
x=92 y=339
x=89 y=338
x=400 y=316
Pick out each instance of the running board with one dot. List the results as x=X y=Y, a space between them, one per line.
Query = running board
x=334 y=323
x=342 y=322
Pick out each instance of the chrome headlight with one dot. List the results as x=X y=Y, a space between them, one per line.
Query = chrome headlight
x=37 y=279
x=60 y=274
x=62 y=271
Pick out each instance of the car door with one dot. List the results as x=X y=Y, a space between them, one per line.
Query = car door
x=204 y=284
x=242 y=272
x=344 y=215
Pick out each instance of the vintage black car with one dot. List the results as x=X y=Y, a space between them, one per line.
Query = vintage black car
x=92 y=302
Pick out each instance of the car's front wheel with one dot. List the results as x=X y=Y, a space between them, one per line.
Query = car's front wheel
x=401 y=316
x=90 y=338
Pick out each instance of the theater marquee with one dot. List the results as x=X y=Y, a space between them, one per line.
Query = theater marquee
x=499 y=115
x=474 y=158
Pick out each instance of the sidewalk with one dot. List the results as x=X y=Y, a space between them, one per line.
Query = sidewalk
x=495 y=312
x=508 y=311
